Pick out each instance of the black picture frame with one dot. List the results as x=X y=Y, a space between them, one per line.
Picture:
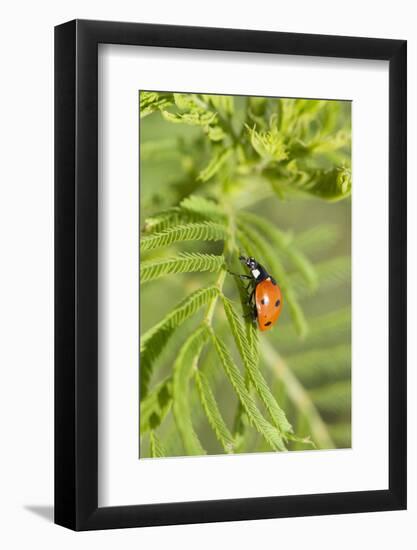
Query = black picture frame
x=76 y=272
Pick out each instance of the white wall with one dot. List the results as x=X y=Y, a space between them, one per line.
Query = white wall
x=26 y=272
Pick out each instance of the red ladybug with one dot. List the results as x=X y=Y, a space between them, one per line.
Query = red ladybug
x=265 y=297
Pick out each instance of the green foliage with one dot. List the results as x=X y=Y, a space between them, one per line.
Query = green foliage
x=156 y=405
x=240 y=164
x=153 y=101
x=205 y=231
x=328 y=184
x=270 y=433
x=270 y=144
x=183 y=367
x=254 y=374
x=218 y=160
x=184 y=263
x=213 y=413
x=155 y=339
x=205 y=208
x=155 y=446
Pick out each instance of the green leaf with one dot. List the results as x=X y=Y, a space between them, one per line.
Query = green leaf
x=188 y=102
x=205 y=231
x=277 y=414
x=222 y=103
x=269 y=145
x=269 y=432
x=215 y=133
x=253 y=340
x=331 y=185
x=156 y=338
x=183 y=263
x=183 y=370
x=156 y=448
x=153 y=101
x=207 y=208
x=192 y=119
x=155 y=406
x=215 y=164
x=213 y=413
x=168 y=218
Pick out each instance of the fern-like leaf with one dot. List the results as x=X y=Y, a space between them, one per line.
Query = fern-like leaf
x=214 y=165
x=250 y=326
x=207 y=208
x=184 y=366
x=205 y=231
x=156 y=448
x=332 y=185
x=270 y=433
x=277 y=414
x=253 y=340
x=172 y=217
x=213 y=413
x=155 y=406
x=269 y=145
x=192 y=118
x=153 y=101
x=156 y=338
x=183 y=263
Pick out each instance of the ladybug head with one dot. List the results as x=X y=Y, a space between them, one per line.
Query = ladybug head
x=250 y=262
x=258 y=272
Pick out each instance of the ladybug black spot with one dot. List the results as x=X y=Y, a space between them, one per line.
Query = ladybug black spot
x=268 y=323
x=277 y=303
x=263 y=301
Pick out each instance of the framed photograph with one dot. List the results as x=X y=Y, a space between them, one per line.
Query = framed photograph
x=230 y=252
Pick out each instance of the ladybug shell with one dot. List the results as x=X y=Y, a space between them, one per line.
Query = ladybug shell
x=268 y=301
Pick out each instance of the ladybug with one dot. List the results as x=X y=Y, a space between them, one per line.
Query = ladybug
x=265 y=297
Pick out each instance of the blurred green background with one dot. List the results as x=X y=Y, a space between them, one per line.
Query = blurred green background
x=309 y=374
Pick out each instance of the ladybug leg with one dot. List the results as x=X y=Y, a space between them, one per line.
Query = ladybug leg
x=253 y=312
x=251 y=296
x=240 y=275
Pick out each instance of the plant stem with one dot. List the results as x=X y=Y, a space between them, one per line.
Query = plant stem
x=229 y=248
x=298 y=396
x=208 y=318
